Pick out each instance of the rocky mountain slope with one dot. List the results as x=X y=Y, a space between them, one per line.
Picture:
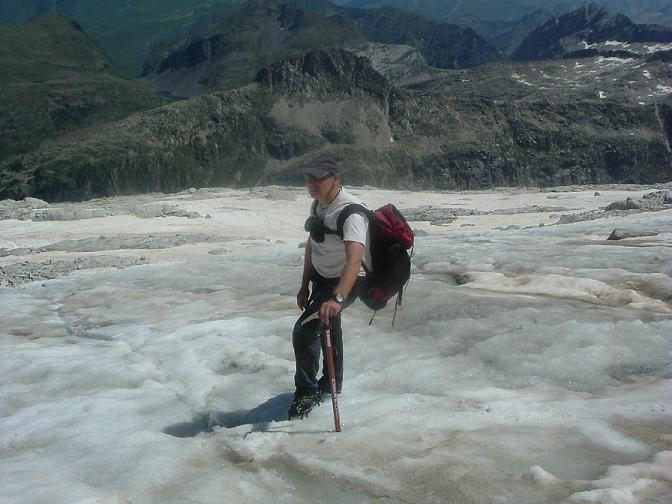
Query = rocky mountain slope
x=530 y=133
x=583 y=27
x=229 y=54
x=56 y=81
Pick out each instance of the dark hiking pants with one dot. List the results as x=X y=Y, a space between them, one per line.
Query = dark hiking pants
x=307 y=342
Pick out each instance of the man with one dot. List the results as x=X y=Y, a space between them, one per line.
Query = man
x=333 y=266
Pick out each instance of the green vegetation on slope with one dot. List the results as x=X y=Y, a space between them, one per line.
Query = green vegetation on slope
x=56 y=81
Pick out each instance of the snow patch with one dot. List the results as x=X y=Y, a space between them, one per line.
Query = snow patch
x=616 y=43
x=539 y=474
x=658 y=47
x=633 y=484
x=520 y=79
x=664 y=89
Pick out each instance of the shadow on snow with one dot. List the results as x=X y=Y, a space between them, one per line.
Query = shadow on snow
x=273 y=410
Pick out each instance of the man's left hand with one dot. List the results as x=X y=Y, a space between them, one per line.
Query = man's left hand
x=329 y=310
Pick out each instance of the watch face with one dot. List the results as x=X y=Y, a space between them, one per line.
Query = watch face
x=338 y=297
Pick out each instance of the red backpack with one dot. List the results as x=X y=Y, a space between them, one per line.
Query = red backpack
x=390 y=237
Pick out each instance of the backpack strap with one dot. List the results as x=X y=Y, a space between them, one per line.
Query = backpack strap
x=353 y=208
x=350 y=209
x=372 y=232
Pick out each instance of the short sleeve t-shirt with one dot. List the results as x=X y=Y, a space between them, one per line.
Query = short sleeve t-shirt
x=328 y=257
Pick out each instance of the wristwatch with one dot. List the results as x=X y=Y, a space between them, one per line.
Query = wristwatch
x=338 y=297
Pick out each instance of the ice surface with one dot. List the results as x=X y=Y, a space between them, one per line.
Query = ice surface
x=526 y=366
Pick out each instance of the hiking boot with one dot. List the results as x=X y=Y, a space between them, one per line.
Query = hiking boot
x=304 y=404
x=325 y=387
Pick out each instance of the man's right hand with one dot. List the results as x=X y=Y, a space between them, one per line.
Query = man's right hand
x=302 y=297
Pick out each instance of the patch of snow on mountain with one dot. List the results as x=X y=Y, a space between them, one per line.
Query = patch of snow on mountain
x=658 y=47
x=618 y=43
x=664 y=90
x=520 y=79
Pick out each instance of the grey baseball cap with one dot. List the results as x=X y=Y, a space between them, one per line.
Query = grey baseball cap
x=323 y=166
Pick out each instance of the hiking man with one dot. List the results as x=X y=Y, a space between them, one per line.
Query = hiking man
x=330 y=280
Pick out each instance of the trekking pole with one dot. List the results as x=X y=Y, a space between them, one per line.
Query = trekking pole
x=331 y=374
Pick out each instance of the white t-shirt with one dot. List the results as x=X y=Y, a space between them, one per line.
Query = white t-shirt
x=329 y=257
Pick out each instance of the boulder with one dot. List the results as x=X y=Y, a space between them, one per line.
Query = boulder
x=628 y=204
x=620 y=234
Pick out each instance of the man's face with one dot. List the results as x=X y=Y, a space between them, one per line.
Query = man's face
x=320 y=189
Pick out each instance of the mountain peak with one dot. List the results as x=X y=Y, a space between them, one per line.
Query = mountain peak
x=54 y=44
x=52 y=19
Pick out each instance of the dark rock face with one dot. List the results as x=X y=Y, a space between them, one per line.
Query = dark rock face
x=486 y=143
x=324 y=72
x=664 y=115
x=664 y=56
x=195 y=53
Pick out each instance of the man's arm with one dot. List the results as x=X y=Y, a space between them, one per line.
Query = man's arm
x=304 y=291
x=307 y=265
x=353 y=263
